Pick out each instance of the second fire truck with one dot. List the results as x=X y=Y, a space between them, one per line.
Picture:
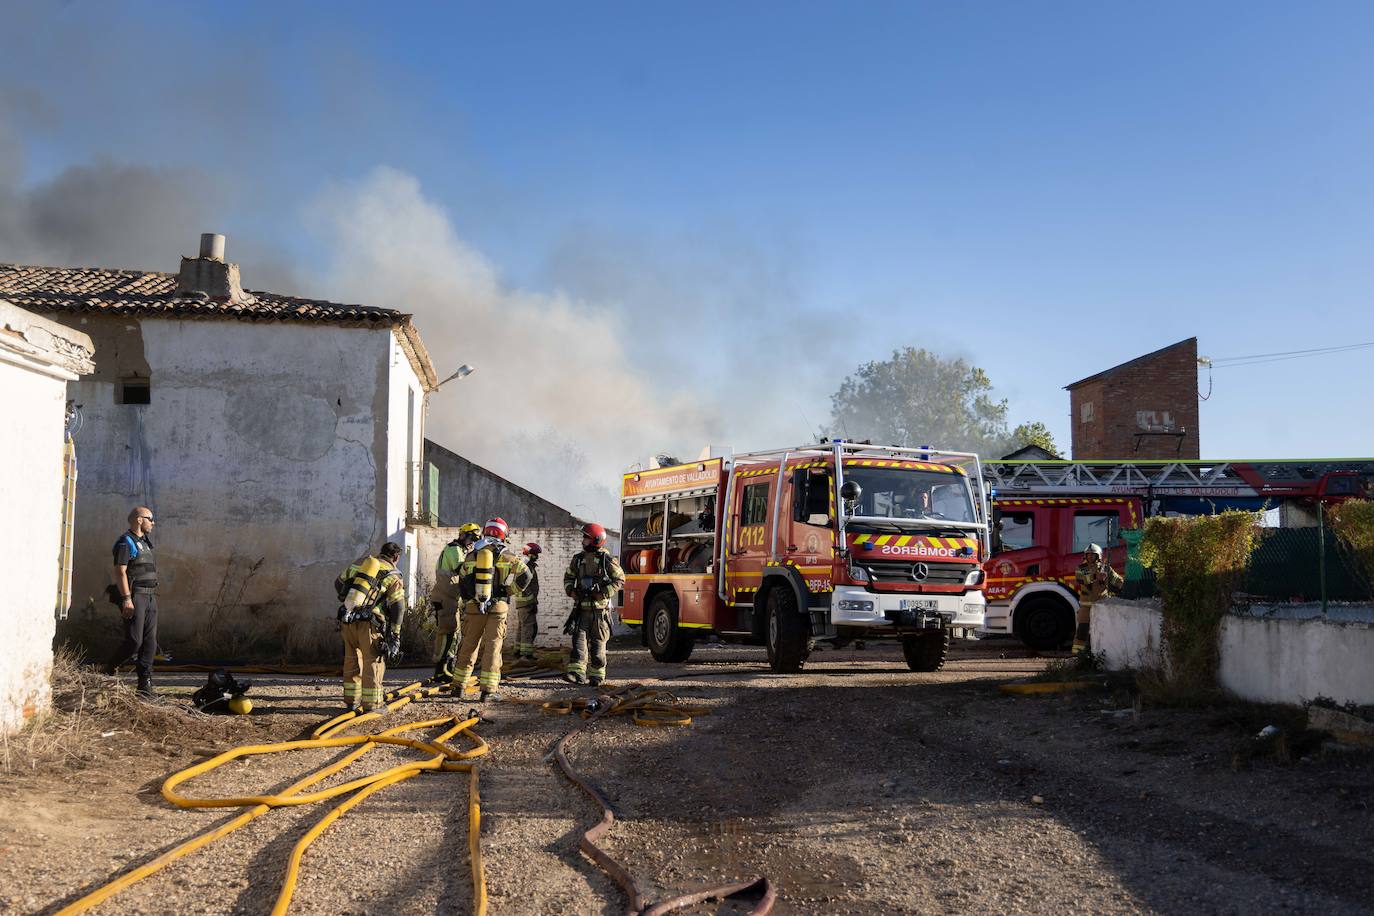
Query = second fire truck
x=1046 y=512
x=841 y=540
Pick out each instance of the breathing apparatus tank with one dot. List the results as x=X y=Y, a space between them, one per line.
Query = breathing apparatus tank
x=362 y=588
x=485 y=573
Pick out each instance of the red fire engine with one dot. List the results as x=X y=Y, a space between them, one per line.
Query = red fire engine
x=840 y=540
x=1046 y=512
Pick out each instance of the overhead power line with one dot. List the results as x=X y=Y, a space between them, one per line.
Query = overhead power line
x=1228 y=362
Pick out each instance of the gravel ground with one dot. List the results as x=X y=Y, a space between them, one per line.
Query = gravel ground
x=857 y=786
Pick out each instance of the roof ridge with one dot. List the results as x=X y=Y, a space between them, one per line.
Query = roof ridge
x=122 y=271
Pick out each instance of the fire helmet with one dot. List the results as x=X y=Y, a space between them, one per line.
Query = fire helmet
x=595 y=532
x=1094 y=550
x=496 y=528
x=240 y=705
x=532 y=549
x=469 y=530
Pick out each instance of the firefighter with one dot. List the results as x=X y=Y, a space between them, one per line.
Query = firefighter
x=591 y=579
x=443 y=601
x=488 y=575
x=374 y=602
x=527 y=605
x=1095 y=581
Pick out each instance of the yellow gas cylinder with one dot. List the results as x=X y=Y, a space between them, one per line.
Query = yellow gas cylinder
x=485 y=572
x=363 y=585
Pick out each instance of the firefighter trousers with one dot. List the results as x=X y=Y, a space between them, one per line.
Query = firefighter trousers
x=140 y=636
x=589 y=637
x=526 y=629
x=363 y=664
x=448 y=634
x=1082 y=637
x=484 y=633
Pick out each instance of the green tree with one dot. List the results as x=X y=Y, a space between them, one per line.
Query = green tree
x=1035 y=433
x=919 y=398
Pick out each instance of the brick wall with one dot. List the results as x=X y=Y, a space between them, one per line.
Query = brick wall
x=557 y=544
x=1155 y=392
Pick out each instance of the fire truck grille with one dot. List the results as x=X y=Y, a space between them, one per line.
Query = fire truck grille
x=908 y=571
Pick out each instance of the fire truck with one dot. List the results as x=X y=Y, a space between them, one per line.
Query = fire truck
x=1045 y=513
x=781 y=547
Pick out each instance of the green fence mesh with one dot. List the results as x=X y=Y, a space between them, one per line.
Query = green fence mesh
x=1286 y=566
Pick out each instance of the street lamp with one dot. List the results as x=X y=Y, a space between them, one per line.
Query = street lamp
x=463 y=372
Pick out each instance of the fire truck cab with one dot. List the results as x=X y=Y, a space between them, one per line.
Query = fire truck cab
x=1037 y=544
x=785 y=546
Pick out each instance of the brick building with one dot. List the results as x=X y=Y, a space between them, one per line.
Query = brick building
x=1144 y=408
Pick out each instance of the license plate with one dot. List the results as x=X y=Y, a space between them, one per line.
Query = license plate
x=917 y=604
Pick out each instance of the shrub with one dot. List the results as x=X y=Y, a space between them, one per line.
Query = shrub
x=1198 y=561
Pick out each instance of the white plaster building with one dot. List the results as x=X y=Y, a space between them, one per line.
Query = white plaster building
x=38 y=358
x=272 y=436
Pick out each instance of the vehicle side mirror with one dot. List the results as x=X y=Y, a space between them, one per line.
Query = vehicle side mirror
x=851 y=491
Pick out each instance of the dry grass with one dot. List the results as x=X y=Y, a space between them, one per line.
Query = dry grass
x=95 y=717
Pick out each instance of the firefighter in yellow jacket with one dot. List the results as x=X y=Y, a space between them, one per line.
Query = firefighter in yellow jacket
x=374 y=603
x=1095 y=579
x=527 y=605
x=444 y=602
x=591 y=580
x=489 y=574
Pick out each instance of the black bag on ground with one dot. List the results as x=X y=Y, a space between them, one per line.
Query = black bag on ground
x=220 y=687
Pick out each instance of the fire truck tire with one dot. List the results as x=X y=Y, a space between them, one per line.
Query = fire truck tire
x=667 y=641
x=926 y=651
x=788 y=635
x=1044 y=623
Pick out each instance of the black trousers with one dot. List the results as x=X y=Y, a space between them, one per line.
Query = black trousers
x=140 y=636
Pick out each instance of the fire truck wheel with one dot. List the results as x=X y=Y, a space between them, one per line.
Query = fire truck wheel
x=667 y=641
x=1044 y=623
x=789 y=633
x=926 y=651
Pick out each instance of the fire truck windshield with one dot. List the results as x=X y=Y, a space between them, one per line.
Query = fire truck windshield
x=921 y=497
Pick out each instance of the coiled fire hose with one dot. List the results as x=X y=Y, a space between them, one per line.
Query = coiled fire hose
x=443 y=759
x=646 y=707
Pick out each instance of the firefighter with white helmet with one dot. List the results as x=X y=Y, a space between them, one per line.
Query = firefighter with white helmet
x=591 y=580
x=444 y=601
x=487 y=577
x=1095 y=580
x=527 y=605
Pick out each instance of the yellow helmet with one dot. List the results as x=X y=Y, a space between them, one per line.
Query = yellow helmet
x=240 y=705
x=471 y=528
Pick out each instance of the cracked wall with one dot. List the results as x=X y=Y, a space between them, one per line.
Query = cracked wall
x=263 y=454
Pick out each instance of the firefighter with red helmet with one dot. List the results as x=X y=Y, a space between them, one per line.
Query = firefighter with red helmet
x=591 y=580
x=527 y=605
x=445 y=603
x=489 y=574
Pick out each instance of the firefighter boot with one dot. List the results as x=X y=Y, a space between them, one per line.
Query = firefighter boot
x=145 y=686
x=1080 y=640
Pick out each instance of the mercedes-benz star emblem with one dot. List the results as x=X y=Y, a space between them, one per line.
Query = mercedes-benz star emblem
x=920 y=571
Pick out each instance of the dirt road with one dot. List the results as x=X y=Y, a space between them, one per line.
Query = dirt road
x=856 y=785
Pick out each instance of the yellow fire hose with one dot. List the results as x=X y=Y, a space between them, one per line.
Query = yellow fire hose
x=443 y=759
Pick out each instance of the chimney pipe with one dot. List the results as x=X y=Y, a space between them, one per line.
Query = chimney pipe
x=212 y=246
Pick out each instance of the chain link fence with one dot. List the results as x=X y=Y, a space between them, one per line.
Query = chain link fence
x=1287 y=565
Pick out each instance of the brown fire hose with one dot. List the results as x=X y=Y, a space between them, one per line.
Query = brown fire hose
x=760 y=887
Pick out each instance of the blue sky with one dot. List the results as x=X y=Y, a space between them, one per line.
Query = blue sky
x=1047 y=189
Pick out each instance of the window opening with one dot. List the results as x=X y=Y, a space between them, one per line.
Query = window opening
x=135 y=391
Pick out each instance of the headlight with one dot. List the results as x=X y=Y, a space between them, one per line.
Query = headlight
x=974 y=578
x=856 y=606
x=858 y=574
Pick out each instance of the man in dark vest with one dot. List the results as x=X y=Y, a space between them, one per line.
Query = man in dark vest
x=135 y=584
